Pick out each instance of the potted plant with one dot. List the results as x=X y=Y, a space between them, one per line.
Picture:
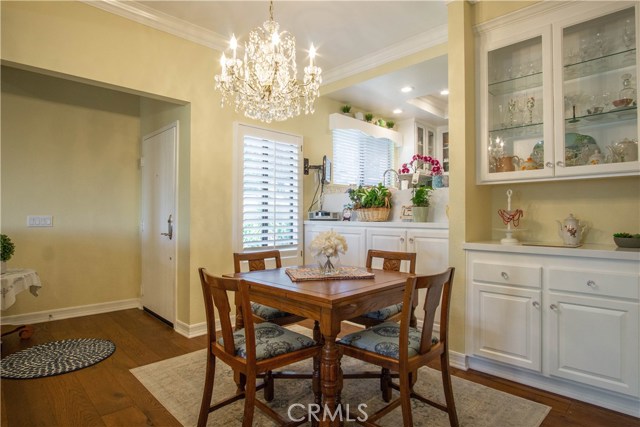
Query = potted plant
x=368 y=117
x=346 y=110
x=7 y=248
x=371 y=203
x=420 y=203
x=390 y=124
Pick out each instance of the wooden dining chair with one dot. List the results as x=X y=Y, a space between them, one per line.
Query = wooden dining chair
x=403 y=349
x=255 y=349
x=261 y=312
x=391 y=261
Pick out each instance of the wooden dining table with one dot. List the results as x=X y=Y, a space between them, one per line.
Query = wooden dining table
x=329 y=302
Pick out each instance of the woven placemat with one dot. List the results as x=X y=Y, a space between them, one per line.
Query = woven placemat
x=302 y=274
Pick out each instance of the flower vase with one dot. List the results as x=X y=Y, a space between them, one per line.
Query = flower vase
x=328 y=264
x=437 y=181
x=420 y=213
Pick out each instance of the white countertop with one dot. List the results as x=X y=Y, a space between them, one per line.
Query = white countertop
x=554 y=249
x=382 y=224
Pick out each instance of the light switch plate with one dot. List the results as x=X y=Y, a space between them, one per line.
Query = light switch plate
x=40 y=221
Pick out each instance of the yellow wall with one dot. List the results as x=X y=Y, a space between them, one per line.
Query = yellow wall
x=71 y=151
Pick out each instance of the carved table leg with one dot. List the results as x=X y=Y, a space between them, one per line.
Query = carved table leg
x=330 y=379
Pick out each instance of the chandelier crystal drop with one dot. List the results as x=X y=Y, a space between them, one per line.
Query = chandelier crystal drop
x=264 y=84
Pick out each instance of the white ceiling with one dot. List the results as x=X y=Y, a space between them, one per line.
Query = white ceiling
x=350 y=37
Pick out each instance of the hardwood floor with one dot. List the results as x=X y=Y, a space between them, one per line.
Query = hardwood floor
x=107 y=394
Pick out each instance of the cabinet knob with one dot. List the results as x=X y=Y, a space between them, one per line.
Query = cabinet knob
x=402 y=240
x=410 y=239
x=536 y=304
x=591 y=284
x=560 y=164
x=553 y=307
x=549 y=164
x=504 y=275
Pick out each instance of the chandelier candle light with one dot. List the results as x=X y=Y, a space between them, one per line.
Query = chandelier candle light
x=264 y=85
x=327 y=246
x=510 y=217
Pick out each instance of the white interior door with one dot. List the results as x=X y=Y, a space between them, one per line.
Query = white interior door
x=159 y=218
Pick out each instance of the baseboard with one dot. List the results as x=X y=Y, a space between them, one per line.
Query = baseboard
x=610 y=400
x=192 y=331
x=70 y=312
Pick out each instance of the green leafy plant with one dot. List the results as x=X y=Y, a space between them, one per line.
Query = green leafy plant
x=368 y=117
x=346 y=108
x=381 y=122
x=390 y=124
x=421 y=196
x=7 y=248
x=377 y=196
x=626 y=235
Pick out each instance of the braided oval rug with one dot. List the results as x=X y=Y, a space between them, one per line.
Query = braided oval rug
x=55 y=358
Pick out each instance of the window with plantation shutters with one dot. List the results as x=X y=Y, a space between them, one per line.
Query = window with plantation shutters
x=359 y=158
x=270 y=214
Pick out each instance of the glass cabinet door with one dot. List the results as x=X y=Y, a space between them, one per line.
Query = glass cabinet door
x=515 y=118
x=597 y=113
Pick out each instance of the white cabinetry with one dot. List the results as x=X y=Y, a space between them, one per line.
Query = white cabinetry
x=507 y=291
x=355 y=237
x=547 y=93
x=431 y=244
x=592 y=328
x=563 y=319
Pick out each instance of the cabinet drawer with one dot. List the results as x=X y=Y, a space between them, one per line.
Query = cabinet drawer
x=591 y=282
x=508 y=274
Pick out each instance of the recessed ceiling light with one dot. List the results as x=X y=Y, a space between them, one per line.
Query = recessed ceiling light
x=444 y=92
x=406 y=89
x=397 y=111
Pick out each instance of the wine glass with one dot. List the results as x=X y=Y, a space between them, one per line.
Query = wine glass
x=531 y=103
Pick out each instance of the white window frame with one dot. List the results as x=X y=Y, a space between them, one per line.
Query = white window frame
x=242 y=130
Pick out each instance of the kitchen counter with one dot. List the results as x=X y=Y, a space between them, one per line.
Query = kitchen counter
x=383 y=224
x=587 y=250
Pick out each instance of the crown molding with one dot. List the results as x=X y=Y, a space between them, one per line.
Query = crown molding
x=415 y=44
x=152 y=18
x=160 y=21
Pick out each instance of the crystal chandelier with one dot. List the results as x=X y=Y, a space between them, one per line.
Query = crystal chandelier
x=264 y=85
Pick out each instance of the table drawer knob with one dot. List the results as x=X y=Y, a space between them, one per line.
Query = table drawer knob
x=504 y=275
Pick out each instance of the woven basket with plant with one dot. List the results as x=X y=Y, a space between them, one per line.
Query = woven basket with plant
x=373 y=204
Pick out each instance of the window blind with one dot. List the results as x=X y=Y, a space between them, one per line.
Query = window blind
x=359 y=158
x=270 y=194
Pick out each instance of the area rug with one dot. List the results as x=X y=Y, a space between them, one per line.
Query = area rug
x=177 y=383
x=55 y=358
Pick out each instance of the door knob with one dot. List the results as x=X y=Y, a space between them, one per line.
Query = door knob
x=169 y=232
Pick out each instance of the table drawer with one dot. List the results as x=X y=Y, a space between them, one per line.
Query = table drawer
x=604 y=283
x=508 y=274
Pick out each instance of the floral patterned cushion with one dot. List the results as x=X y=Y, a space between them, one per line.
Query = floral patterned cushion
x=383 y=339
x=384 y=313
x=266 y=312
x=271 y=340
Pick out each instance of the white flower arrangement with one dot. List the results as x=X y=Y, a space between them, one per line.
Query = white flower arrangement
x=328 y=243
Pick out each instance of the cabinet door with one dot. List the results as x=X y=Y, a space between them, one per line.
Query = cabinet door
x=310 y=232
x=387 y=239
x=507 y=324
x=431 y=248
x=356 y=252
x=516 y=105
x=593 y=341
x=596 y=112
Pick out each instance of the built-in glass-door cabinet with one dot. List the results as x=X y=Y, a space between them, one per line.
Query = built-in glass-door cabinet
x=559 y=99
x=597 y=114
x=516 y=121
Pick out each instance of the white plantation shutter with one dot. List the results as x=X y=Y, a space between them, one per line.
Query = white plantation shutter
x=271 y=194
x=359 y=158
